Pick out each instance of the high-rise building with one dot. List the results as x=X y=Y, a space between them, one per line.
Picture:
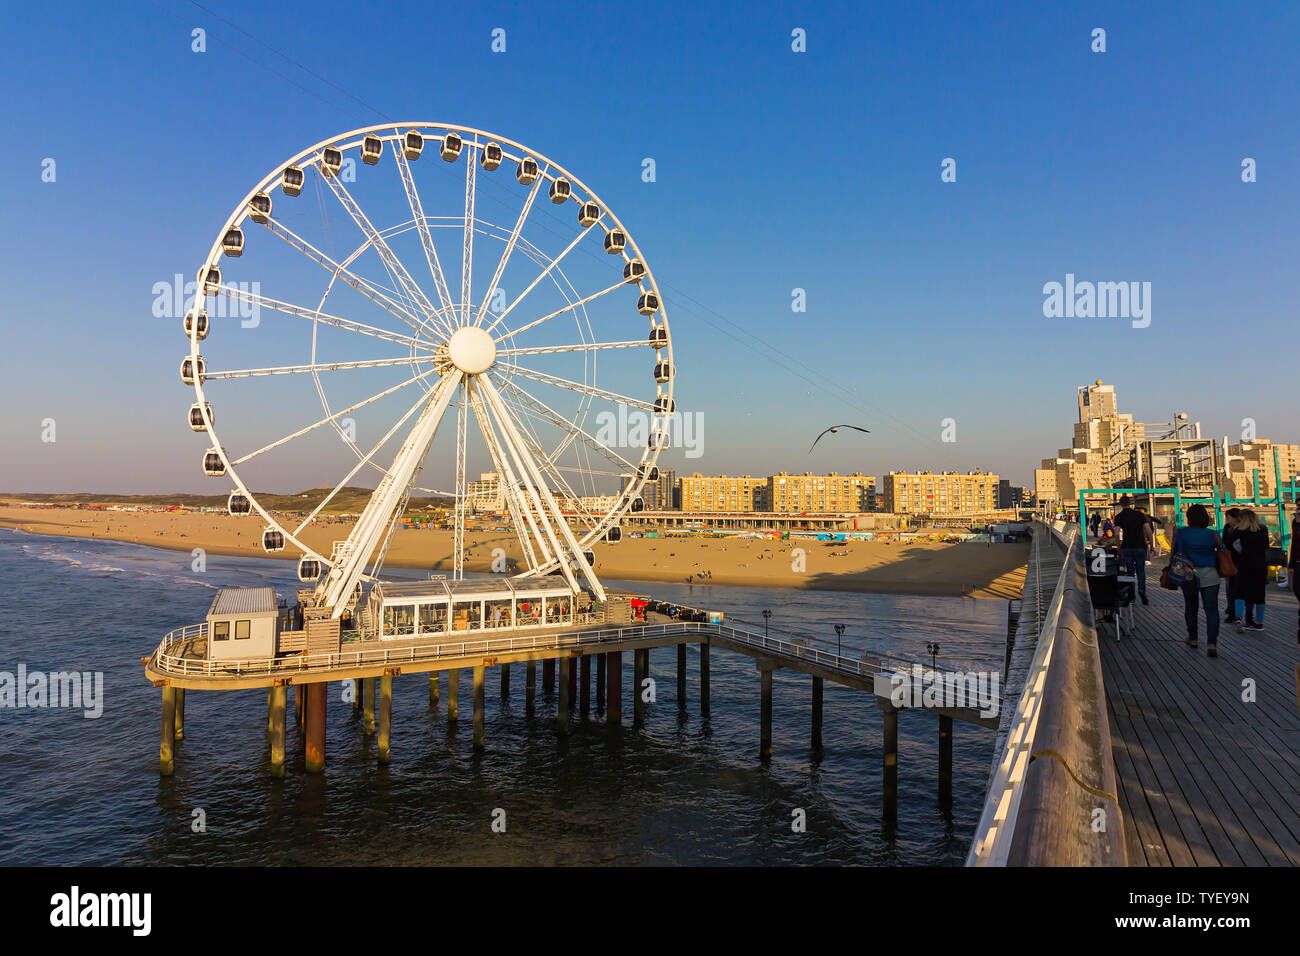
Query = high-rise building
x=948 y=492
x=833 y=493
x=486 y=494
x=657 y=495
x=1097 y=401
x=722 y=493
x=1244 y=457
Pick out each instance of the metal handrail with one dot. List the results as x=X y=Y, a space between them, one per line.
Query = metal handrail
x=992 y=840
x=299 y=663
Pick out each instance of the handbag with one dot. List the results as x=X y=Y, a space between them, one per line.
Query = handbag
x=1165 y=582
x=1226 y=567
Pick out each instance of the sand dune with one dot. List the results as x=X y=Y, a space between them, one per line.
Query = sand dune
x=978 y=570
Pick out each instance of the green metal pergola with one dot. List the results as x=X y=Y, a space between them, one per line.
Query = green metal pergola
x=1219 y=502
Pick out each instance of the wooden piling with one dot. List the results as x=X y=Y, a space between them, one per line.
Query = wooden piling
x=314 y=723
x=167 y=747
x=681 y=677
x=765 y=713
x=573 y=683
x=640 y=670
x=945 y=761
x=479 y=694
x=505 y=681
x=278 y=696
x=180 y=713
x=889 y=787
x=453 y=695
x=614 y=687
x=562 y=712
x=530 y=687
x=704 y=678
x=600 y=682
x=368 y=702
x=358 y=689
x=433 y=690
x=817 y=694
x=584 y=685
x=385 y=717
x=548 y=675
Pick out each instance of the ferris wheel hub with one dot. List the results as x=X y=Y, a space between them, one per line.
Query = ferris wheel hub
x=472 y=349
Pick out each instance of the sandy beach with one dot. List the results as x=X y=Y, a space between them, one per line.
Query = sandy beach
x=924 y=568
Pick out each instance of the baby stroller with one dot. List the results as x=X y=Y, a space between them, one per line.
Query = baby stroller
x=1111 y=589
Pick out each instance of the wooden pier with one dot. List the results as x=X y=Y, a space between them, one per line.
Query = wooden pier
x=178 y=665
x=1207 y=776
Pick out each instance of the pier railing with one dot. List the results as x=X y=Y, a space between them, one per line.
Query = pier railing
x=166 y=658
x=1056 y=771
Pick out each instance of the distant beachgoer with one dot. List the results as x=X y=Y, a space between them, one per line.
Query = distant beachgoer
x=1198 y=542
x=1250 y=547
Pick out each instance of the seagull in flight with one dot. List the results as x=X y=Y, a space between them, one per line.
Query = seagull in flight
x=832 y=430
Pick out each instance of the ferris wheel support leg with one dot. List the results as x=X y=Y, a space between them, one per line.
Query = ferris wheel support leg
x=507 y=424
x=531 y=479
x=380 y=511
x=517 y=508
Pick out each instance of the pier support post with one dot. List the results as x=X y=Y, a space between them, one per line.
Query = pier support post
x=573 y=683
x=505 y=681
x=530 y=687
x=681 y=677
x=368 y=702
x=817 y=694
x=889 y=788
x=704 y=678
x=453 y=695
x=765 y=713
x=433 y=690
x=278 y=695
x=945 y=761
x=479 y=694
x=358 y=689
x=180 y=713
x=584 y=685
x=548 y=675
x=600 y=682
x=298 y=702
x=167 y=747
x=315 y=727
x=270 y=703
x=562 y=712
x=385 y=716
x=614 y=687
x=640 y=670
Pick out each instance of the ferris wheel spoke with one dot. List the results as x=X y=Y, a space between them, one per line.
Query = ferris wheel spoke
x=542 y=275
x=510 y=246
x=380 y=245
x=364 y=460
x=319 y=367
x=513 y=437
x=573 y=386
x=364 y=286
x=422 y=226
x=467 y=243
x=575 y=347
x=564 y=424
x=325 y=421
x=288 y=308
x=568 y=308
x=520 y=517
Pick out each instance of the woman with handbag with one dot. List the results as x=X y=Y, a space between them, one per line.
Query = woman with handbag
x=1250 y=545
x=1194 y=552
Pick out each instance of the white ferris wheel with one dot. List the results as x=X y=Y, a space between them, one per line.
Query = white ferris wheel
x=326 y=339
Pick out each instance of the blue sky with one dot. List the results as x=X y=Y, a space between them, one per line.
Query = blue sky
x=775 y=170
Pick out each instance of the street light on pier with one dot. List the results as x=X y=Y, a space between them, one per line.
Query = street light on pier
x=839 y=640
x=766 y=614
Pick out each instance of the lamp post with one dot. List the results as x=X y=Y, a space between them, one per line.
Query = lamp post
x=839 y=640
x=766 y=614
x=932 y=649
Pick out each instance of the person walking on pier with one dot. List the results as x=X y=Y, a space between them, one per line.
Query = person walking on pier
x=1229 y=536
x=1096 y=523
x=1250 y=547
x=1134 y=541
x=1198 y=542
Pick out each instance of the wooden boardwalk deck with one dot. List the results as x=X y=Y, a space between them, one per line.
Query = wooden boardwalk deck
x=1205 y=777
